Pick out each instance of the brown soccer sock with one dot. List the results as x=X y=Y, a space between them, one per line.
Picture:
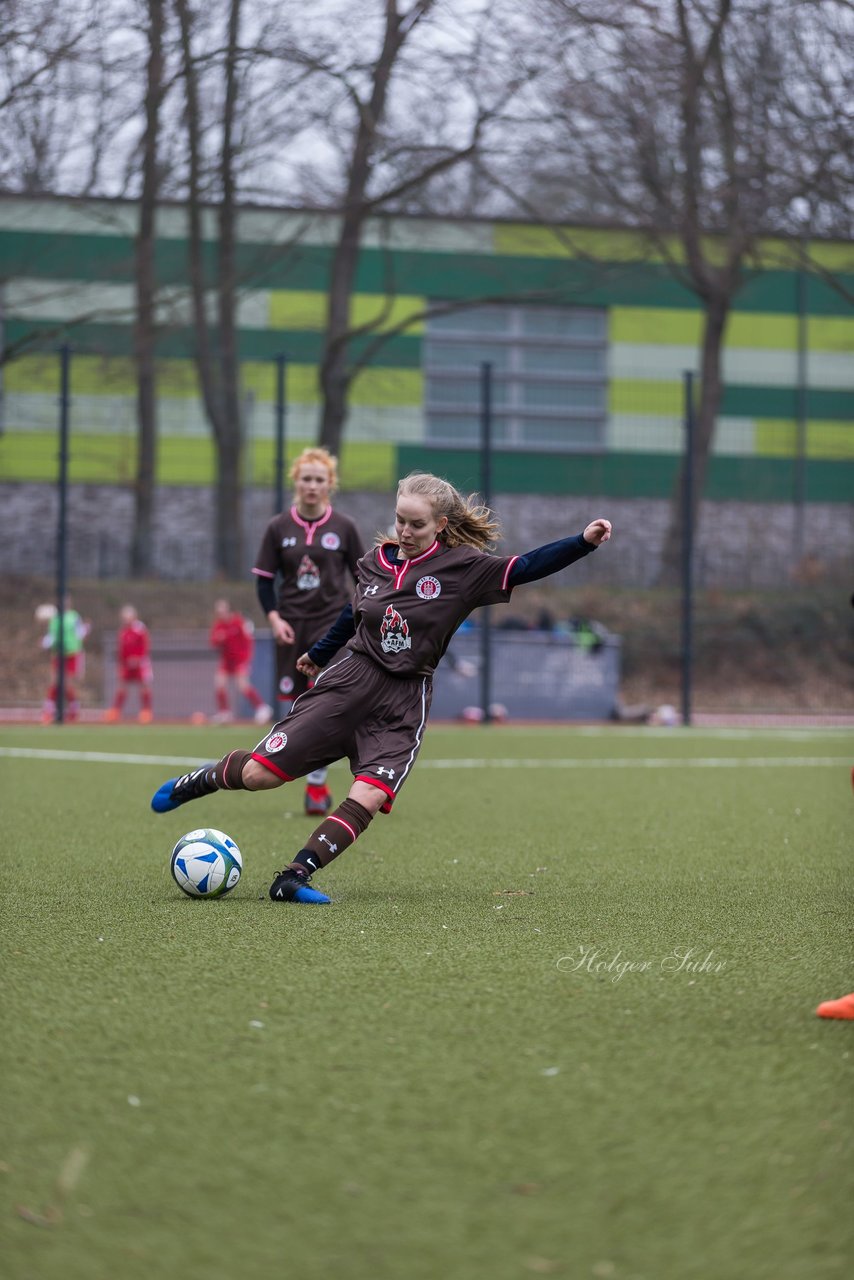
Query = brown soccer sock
x=227 y=773
x=335 y=834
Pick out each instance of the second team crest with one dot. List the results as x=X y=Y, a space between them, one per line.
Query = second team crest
x=308 y=575
x=276 y=742
x=394 y=632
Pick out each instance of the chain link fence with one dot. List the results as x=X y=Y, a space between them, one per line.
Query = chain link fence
x=771 y=558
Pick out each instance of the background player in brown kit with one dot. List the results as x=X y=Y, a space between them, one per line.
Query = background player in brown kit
x=372 y=705
x=313 y=551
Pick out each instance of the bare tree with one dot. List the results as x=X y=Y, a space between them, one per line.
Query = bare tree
x=146 y=289
x=39 y=47
x=333 y=368
x=68 y=93
x=216 y=345
x=700 y=125
x=394 y=118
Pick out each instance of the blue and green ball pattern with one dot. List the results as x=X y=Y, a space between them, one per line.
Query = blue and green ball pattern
x=206 y=863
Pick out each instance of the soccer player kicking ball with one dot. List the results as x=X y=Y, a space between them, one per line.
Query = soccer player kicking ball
x=371 y=706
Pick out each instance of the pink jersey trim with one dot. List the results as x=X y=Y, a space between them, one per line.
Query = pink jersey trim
x=274 y=768
x=341 y=822
x=400 y=571
x=263 y=573
x=374 y=782
x=310 y=525
x=424 y=554
x=510 y=565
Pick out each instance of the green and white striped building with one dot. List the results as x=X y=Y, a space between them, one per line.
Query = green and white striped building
x=587 y=333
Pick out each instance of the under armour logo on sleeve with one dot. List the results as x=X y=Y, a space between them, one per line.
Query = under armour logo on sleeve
x=388 y=772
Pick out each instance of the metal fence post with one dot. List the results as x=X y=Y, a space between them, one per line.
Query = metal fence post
x=688 y=547
x=281 y=361
x=486 y=489
x=62 y=529
x=281 y=410
x=802 y=397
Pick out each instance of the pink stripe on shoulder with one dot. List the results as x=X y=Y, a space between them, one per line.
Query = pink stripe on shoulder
x=262 y=573
x=510 y=564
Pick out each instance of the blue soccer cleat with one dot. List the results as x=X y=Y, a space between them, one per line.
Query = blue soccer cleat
x=291 y=886
x=177 y=791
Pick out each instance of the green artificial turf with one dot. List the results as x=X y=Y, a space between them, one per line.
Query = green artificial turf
x=420 y=1082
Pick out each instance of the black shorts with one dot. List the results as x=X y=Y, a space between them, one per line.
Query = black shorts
x=358 y=711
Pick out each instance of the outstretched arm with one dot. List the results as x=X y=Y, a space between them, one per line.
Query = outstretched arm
x=554 y=556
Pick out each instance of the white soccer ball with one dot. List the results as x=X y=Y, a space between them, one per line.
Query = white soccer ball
x=44 y=612
x=206 y=863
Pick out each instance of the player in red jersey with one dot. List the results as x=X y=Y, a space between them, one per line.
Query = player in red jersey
x=133 y=665
x=305 y=571
x=232 y=635
x=372 y=705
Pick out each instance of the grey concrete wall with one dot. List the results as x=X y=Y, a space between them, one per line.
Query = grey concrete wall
x=738 y=544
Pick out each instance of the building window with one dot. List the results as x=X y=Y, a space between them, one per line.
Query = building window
x=549 y=376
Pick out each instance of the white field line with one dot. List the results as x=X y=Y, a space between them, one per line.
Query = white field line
x=691 y=733
x=99 y=757
x=467 y=762
x=646 y=762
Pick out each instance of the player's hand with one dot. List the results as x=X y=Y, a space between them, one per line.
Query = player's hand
x=597 y=532
x=283 y=632
x=307 y=667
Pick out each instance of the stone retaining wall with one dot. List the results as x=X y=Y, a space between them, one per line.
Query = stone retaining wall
x=738 y=544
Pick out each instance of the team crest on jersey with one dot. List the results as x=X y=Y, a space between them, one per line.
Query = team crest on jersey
x=394 y=632
x=428 y=588
x=286 y=685
x=308 y=575
x=276 y=742
x=330 y=541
